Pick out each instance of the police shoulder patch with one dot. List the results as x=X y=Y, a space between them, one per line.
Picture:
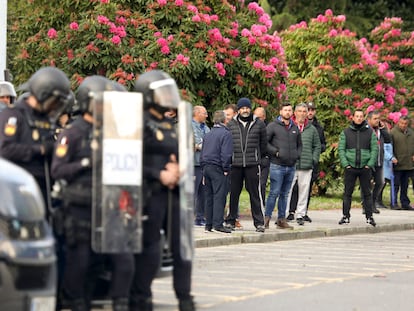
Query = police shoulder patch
x=62 y=147
x=10 y=127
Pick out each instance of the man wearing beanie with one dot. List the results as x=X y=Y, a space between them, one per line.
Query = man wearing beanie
x=249 y=146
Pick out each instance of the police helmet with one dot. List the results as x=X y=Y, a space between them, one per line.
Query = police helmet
x=91 y=87
x=7 y=89
x=51 y=88
x=158 y=90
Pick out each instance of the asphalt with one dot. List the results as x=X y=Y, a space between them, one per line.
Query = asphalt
x=324 y=224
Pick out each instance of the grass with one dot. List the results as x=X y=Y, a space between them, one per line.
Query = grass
x=331 y=200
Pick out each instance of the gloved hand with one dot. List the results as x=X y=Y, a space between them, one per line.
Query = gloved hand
x=47 y=147
x=86 y=162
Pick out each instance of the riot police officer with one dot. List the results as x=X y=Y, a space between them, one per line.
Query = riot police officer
x=26 y=129
x=72 y=163
x=161 y=177
x=7 y=94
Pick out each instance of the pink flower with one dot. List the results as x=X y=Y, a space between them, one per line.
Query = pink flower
x=322 y=174
x=389 y=75
x=379 y=88
x=157 y=34
x=192 y=8
x=154 y=65
x=347 y=112
x=162 y=2
x=179 y=2
x=235 y=53
x=196 y=18
x=165 y=50
x=104 y=1
x=220 y=69
x=252 y=40
x=347 y=92
x=404 y=111
x=406 y=61
x=116 y=40
x=52 y=33
x=74 y=26
x=103 y=19
x=370 y=108
x=162 y=42
x=333 y=33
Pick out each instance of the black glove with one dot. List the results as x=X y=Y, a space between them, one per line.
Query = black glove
x=47 y=147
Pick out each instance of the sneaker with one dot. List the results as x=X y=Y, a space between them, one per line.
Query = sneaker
x=290 y=217
x=222 y=229
x=208 y=228
x=282 y=224
x=395 y=207
x=371 y=221
x=379 y=205
x=307 y=218
x=344 y=220
x=300 y=221
x=199 y=222
x=407 y=208
x=186 y=305
x=238 y=225
x=260 y=228
x=230 y=226
x=267 y=221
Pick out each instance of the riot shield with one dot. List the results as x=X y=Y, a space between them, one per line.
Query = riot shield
x=117 y=173
x=186 y=165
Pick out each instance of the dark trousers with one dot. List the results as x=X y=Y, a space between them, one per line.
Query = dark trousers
x=78 y=260
x=147 y=262
x=199 y=194
x=379 y=184
x=249 y=175
x=264 y=176
x=364 y=176
x=401 y=184
x=216 y=188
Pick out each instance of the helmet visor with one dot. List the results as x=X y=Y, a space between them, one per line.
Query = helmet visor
x=166 y=93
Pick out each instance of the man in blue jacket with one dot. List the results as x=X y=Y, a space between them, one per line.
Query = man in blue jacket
x=215 y=160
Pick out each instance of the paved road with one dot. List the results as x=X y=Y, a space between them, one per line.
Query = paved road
x=352 y=272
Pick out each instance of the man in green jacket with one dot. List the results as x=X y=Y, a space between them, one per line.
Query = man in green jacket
x=403 y=144
x=309 y=158
x=358 y=151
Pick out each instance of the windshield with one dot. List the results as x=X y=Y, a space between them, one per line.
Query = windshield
x=20 y=196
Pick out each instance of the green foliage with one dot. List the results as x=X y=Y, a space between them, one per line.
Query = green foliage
x=201 y=44
x=328 y=65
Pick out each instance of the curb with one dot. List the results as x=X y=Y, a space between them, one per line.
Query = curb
x=249 y=237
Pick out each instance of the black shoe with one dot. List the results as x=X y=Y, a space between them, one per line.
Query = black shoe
x=380 y=205
x=260 y=229
x=375 y=210
x=407 y=208
x=395 y=207
x=230 y=226
x=290 y=217
x=300 y=221
x=222 y=229
x=208 y=228
x=371 y=221
x=186 y=305
x=344 y=220
x=141 y=305
x=307 y=218
x=120 y=304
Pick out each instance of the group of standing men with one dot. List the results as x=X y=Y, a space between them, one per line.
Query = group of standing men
x=254 y=150
x=288 y=149
x=28 y=138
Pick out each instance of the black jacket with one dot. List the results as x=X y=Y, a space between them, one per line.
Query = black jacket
x=249 y=142
x=321 y=133
x=284 y=143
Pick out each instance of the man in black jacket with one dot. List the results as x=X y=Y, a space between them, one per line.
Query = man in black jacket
x=249 y=146
x=284 y=147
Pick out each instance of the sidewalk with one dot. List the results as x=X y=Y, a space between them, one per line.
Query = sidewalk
x=324 y=224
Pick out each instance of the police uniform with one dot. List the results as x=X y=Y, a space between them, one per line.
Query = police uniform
x=160 y=141
x=70 y=162
x=23 y=131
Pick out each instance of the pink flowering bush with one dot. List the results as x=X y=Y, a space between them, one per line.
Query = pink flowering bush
x=329 y=66
x=210 y=47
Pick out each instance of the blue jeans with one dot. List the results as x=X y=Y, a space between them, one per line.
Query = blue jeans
x=281 y=178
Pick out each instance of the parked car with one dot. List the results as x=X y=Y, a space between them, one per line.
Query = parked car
x=27 y=247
